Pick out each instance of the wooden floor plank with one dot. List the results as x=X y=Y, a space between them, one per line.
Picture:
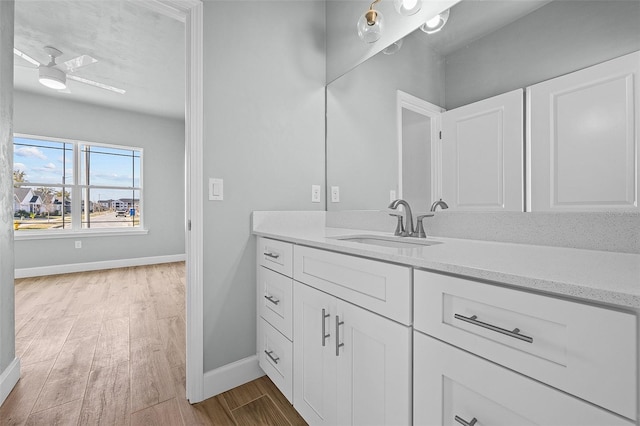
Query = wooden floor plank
x=172 y=333
x=242 y=395
x=151 y=379
x=215 y=411
x=262 y=411
x=107 y=399
x=16 y=408
x=113 y=343
x=49 y=341
x=165 y=413
x=62 y=415
x=267 y=387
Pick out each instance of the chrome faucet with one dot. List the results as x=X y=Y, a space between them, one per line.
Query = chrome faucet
x=440 y=203
x=408 y=231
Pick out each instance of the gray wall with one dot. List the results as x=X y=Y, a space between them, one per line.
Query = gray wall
x=163 y=166
x=264 y=135
x=7 y=326
x=558 y=38
x=362 y=147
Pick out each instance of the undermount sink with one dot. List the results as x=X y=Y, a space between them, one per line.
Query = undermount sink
x=384 y=241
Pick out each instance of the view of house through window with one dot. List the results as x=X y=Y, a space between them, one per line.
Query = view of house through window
x=63 y=185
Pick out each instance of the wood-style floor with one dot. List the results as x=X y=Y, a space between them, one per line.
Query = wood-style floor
x=108 y=348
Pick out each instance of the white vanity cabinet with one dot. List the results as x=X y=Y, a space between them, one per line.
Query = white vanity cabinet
x=571 y=350
x=275 y=307
x=582 y=144
x=351 y=365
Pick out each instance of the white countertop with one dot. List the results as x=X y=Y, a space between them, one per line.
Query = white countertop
x=598 y=276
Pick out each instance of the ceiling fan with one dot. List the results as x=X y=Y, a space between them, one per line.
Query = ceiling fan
x=55 y=75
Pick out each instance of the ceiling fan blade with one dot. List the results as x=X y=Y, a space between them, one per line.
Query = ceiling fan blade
x=96 y=84
x=79 y=62
x=26 y=57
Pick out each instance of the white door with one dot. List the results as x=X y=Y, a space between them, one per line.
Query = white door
x=374 y=368
x=314 y=359
x=582 y=148
x=482 y=154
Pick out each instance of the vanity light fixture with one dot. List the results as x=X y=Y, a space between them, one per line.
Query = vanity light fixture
x=436 y=23
x=370 y=25
x=407 y=7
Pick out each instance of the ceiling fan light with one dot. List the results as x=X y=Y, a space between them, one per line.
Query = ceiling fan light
x=436 y=23
x=407 y=7
x=52 y=78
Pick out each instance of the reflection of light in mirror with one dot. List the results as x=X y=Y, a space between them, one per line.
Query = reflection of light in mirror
x=408 y=7
x=393 y=48
x=436 y=23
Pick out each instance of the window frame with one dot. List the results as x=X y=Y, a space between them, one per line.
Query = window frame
x=76 y=188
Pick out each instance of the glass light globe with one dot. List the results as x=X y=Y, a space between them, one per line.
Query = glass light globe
x=370 y=26
x=407 y=7
x=393 y=47
x=436 y=23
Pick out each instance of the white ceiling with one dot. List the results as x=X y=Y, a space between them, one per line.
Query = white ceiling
x=137 y=49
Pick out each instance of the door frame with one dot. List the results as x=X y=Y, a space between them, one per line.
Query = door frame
x=190 y=12
x=434 y=112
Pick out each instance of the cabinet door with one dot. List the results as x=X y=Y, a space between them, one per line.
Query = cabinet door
x=582 y=147
x=374 y=368
x=482 y=154
x=451 y=384
x=314 y=357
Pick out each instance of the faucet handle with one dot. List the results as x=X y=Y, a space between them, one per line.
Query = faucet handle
x=420 y=231
x=400 y=226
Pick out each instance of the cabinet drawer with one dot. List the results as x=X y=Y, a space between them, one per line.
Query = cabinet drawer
x=585 y=350
x=275 y=255
x=275 y=354
x=380 y=287
x=275 y=296
x=449 y=382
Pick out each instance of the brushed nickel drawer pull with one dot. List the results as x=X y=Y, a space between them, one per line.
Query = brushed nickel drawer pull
x=272 y=255
x=464 y=422
x=324 y=331
x=274 y=359
x=338 y=344
x=515 y=333
x=272 y=299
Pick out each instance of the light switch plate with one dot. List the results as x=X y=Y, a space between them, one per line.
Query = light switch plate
x=216 y=189
x=315 y=193
x=335 y=194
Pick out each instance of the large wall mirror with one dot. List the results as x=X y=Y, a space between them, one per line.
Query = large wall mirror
x=378 y=146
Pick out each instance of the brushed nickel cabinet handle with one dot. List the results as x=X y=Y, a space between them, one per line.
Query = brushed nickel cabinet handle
x=464 y=422
x=274 y=359
x=338 y=344
x=272 y=299
x=324 y=330
x=272 y=255
x=515 y=333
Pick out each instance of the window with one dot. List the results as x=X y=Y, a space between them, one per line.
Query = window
x=62 y=185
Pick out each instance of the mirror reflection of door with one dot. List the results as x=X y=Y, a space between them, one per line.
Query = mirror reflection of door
x=418 y=148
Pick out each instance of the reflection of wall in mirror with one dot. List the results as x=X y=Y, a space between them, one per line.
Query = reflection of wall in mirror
x=556 y=39
x=362 y=152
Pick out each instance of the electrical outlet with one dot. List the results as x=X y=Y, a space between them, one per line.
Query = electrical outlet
x=335 y=194
x=315 y=193
x=78 y=244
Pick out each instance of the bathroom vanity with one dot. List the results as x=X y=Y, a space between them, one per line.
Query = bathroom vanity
x=353 y=332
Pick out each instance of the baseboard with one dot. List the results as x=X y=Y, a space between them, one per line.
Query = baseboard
x=95 y=266
x=9 y=378
x=231 y=375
